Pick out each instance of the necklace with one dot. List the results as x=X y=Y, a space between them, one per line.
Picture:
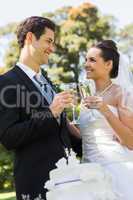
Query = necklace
x=105 y=90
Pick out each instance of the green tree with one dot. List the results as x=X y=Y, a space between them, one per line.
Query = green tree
x=12 y=54
x=125 y=39
x=8 y=29
x=78 y=29
x=6 y=169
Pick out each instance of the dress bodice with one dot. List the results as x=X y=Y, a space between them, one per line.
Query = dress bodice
x=99 y=142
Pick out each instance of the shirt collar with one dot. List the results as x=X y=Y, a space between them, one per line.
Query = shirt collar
x=29 y=72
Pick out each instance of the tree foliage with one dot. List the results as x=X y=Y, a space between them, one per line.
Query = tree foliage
x=6 y=172
x=78 y=28
x=12 y=54
x=125 y=38
x=10 y=28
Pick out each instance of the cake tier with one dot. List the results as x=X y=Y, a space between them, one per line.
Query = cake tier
x=87 y=171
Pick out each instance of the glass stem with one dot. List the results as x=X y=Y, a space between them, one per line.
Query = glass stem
x=73 y=113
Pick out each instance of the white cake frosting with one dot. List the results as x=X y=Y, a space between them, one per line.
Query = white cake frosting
x=75 y=181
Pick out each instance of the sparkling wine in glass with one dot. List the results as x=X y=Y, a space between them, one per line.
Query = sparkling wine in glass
x=73 y=88
x=85 y=91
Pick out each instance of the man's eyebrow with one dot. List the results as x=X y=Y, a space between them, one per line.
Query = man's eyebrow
x=50 y=39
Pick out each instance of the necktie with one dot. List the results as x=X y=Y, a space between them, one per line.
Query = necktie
x=45 y=87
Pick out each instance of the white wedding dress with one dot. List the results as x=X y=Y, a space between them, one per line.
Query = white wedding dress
x=100 y=145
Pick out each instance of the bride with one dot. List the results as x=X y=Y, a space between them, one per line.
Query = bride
x=107 y=130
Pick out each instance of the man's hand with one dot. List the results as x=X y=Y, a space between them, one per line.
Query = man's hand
x=61 y=100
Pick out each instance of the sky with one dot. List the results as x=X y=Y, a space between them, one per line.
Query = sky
x=17 y=10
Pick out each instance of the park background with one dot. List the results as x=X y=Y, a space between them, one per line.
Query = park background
x=80 y=24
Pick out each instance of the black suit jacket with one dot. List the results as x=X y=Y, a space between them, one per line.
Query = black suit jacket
x=28 y=127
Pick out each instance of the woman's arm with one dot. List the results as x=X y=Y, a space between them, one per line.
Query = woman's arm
x=123 y=125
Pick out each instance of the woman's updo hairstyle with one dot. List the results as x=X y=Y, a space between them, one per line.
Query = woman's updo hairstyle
x=110 y=52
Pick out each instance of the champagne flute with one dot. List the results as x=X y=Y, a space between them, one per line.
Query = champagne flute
x=85 y=91
x=73 y=88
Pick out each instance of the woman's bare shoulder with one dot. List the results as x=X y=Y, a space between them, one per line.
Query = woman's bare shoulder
x=114 y=96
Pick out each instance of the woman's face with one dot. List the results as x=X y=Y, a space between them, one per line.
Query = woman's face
x=95 y=66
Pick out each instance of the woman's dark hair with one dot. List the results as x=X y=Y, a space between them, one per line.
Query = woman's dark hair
x=34 y=24
x=109 y=51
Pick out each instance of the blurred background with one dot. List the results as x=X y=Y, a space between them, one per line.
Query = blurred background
x=80 y=24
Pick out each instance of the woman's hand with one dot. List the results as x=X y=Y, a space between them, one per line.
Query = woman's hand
x=96 y=102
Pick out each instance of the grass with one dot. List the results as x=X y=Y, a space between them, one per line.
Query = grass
x=7 y=196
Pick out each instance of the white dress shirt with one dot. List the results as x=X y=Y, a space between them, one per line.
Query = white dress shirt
x=28 y=71
x=31 y=74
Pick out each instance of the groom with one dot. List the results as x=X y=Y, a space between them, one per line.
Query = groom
x=32 y=122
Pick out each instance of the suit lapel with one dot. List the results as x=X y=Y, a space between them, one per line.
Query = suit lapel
x=27 y=82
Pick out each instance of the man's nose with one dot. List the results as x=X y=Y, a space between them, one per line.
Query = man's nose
x=52 y=48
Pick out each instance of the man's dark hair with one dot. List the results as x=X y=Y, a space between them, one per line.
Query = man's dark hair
x=34 y=24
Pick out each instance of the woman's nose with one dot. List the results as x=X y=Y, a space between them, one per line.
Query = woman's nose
x=86 y=65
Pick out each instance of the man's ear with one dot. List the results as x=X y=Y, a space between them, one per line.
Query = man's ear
x=29 y=38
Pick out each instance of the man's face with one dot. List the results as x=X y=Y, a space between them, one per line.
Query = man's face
x=43 y=47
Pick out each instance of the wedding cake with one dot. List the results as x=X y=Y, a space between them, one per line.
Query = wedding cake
x=74 y=181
